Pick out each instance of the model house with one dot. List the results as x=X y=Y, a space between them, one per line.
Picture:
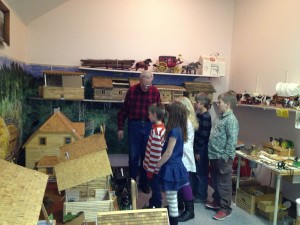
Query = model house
x=57 y=131
x=258 y=40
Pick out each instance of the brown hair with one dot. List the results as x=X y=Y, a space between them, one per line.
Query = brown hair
x=203 y=99
x=229 y=97
x=158 y=109
x=177 y=117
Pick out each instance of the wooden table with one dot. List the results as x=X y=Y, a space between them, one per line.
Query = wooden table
x=291 y=171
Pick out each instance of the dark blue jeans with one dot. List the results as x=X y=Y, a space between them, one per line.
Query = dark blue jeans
x=156 y=198
x=200 y=185
x=138 y=133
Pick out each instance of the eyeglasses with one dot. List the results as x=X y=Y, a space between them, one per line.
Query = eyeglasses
x=146 y=85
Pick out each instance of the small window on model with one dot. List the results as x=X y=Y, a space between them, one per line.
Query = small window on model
x=42 y=141
x=67 y=140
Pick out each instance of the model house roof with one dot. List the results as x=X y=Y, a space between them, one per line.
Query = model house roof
x=59 y=123
x=90 y=144
x=170 y=87
x=199 y=87
x=21 y=193
x=82 y=169
x=82 y=161
x=48 y=161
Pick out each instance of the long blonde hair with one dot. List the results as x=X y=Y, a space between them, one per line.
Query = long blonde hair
x=190 y=109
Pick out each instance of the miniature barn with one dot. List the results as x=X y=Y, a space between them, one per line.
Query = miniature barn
x=107 y=88
x=168 y=93
x=83 y=173
x=194 y=88
x=63 y=85
x=58 y=130
x=21 y=193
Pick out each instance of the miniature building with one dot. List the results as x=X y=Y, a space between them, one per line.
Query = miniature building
x=58 y=130
x=107 y=88
x=84 y=167
x=194 y=88
x=168 y=93
x=21 y=193
x=46 y=165
x=63 y=85
x=135 y=217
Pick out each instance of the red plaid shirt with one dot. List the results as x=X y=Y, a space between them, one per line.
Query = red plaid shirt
x=136 y=104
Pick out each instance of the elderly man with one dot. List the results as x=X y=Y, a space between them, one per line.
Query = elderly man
x=135 y=109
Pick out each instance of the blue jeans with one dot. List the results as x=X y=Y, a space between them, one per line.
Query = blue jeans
x=156 y=198
x=138 y=134
x=201 y=176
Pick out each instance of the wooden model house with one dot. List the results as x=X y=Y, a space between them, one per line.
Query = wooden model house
x=157 y=216
x=168 y=93
x=82 y=172
x=63 y=85
x=21 y=193
x=107 y=88
x=46 y=166
x=194 y=88
x=58 y=130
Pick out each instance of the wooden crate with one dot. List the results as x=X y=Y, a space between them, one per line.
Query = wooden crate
x=194 y=88
x=247 y=198
x=272 y=149
x=266 y=206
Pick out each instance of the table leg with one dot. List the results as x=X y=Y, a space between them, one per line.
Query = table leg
x=278 y=180
x=237 y=185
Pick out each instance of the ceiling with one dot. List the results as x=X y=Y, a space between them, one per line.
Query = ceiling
x=29 y=10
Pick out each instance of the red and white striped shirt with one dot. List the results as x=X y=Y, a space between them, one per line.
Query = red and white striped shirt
x=154 y=148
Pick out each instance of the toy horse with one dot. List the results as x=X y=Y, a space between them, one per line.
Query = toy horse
x=143 y=64
x=190 y=67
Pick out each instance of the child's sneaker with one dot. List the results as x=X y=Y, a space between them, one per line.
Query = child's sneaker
x=221 y=215
x=213 y=205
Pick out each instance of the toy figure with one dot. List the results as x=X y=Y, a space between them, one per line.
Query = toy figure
x=143 y=64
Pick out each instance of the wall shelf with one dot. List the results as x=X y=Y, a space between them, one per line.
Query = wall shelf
x=264 y=107
x=138 y=72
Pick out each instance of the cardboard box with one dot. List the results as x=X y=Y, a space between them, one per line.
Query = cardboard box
x=247 y=198
x=212 y=66
x=266 y=206
x=270 y=215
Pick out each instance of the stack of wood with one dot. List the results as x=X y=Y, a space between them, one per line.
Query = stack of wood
x=108 y=63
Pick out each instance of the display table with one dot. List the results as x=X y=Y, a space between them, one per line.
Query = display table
x=290 y=171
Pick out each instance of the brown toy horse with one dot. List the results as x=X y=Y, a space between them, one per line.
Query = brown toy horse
x=143 y=64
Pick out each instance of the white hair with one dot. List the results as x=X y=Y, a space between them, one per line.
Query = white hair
x=146 y=75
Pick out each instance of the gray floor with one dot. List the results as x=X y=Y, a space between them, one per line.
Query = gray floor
x=204 y=216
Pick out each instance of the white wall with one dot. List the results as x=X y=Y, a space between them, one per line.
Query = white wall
x=132 y=29
x=266 y=46
x=18 y=38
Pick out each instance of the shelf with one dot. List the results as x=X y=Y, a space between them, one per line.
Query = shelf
x=81 y=100
x=138 y=72
x=264 y=107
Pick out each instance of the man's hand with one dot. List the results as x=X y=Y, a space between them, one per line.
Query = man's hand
x=197 y=157
x=120 y=134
